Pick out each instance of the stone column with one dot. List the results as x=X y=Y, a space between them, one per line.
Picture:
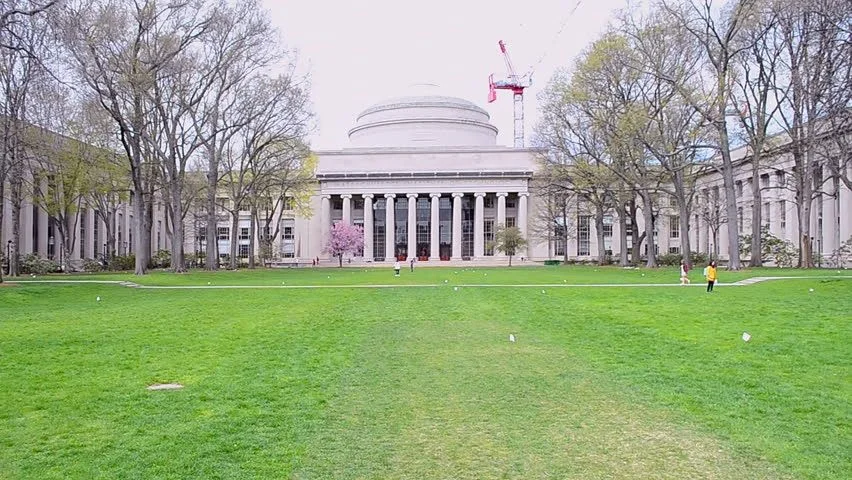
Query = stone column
x=457 y=225
x=522 y=222
x=501 y=217
x=412 y=225
x=91 y=248
x=368 y=226
x=25 y=245
x=829 y=220
x=40 y=243
x=844 y=210
x=347 y=208
x=43 y=218
x=390 y=227
x=434 y=233
x=478 y=225
x=325 y=220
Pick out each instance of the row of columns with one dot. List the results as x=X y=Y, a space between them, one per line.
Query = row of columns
x=390 y=240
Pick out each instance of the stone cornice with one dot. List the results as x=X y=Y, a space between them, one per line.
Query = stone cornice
x=407 y=121
x=403 y=175
x=429 y=149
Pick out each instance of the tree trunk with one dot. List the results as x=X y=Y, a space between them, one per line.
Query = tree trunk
x=510 y=260
x=2 y=213
x=15 y=255
x=730 y=202
x=804 y=214
x=340 y=258
x=252 y=236
x=178 y=264
x=599 y=224
x=622 y=236
x=139 y=213
x=565 y=232
x=235 y=227
x=211 y=260
x=756 y=215
x=636 y=254
x=648 y=214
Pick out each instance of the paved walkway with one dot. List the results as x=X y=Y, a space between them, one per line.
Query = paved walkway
x=741 y=283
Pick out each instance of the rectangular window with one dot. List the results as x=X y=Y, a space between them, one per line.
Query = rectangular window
x=510 y=202
x=674 y=249
x=780 y=178
x=739 y=186
x=511 y=222
x=337 y=203
x=97 y=234
x=489 y=237
x=223 y=233
x=488 y=201
x=243 y=251
x=607 y=226
x=202 y=233
x=740 y=218
x=559 y=234
x=244 y=233
x=288 y=238
x=764 y=180
x=288 y=203
x=83 y=245
x=782 y=215
x=674 y=226
x=766 y=214
x=583 y=235
x=159 y=234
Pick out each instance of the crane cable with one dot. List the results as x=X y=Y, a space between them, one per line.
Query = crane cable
x=555 y=38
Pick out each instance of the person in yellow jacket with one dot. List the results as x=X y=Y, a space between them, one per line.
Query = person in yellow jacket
x=711 y=275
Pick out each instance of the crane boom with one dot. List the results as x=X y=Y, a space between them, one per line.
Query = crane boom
x=517 y=85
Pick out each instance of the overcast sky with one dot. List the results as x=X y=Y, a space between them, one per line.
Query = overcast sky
x=361 y=52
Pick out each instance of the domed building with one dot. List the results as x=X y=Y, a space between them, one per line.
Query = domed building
x=425 y=178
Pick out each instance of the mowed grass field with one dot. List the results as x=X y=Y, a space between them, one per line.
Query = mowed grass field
x=422 y=382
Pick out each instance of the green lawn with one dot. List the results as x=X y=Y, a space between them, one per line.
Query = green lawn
x=422 y=383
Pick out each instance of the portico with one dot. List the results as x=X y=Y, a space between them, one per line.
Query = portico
x=427 y=225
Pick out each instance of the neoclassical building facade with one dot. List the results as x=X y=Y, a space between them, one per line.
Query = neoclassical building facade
x=425 y=178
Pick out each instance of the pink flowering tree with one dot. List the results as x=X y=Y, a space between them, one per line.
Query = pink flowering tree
x=344 y=238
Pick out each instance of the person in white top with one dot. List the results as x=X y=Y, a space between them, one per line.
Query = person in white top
x=396 y=268
x=684 y=274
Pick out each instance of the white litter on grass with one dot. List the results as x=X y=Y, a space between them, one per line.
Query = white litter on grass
x=746 y=336
x=542 y=291
x=456 y=288
x=98 y=299
x=511 y=337
x=564 y=281
x=811 y=290
x=445 y=281
x=643 y=274
x=165 y=386
x=208 y=283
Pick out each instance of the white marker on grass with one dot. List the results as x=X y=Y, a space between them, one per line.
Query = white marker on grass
x=746 y=336
x=511 y=337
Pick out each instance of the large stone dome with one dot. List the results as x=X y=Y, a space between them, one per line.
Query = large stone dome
x=423 y=121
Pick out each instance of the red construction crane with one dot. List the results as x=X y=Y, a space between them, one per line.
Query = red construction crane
x=516 y=84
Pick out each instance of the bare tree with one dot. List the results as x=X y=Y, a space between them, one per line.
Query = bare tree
x=23 y=41
x=751 y=94
x=241 y=46
x=716 y=32
x=815 y=41
x=120 y=50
